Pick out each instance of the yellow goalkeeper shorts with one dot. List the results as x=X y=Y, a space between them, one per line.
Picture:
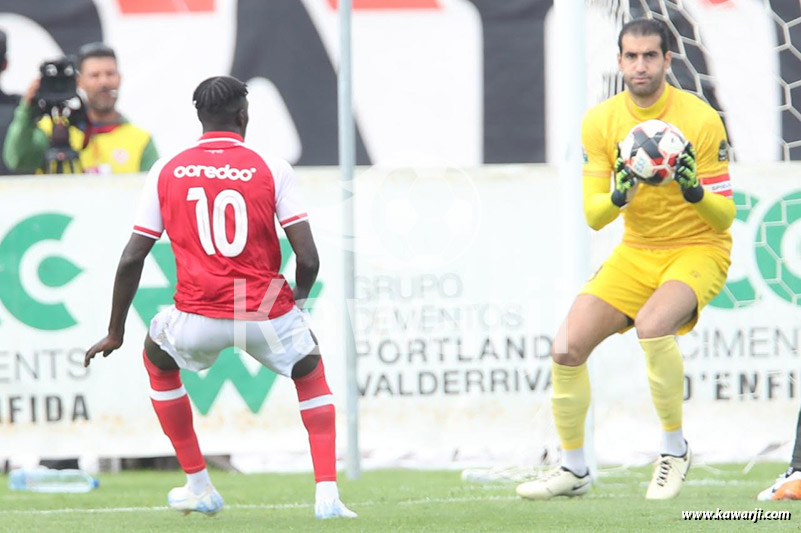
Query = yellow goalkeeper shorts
x=631 y=275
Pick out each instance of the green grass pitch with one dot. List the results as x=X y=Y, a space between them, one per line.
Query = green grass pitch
x=401 y=501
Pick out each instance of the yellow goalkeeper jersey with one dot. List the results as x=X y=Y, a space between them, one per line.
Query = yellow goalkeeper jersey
x=659 y=217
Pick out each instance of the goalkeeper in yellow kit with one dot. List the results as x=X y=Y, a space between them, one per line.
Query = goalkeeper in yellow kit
x=672 y=261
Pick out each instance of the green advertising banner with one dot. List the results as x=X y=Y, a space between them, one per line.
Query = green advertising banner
x=458 y=295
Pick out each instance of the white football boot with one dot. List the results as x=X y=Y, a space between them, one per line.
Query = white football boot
x=332 y=509
x=559 y=482
x=209 y=502
x=327 y=503
x=669 y=474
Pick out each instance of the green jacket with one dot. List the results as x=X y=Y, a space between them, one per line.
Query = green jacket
x=113 y=148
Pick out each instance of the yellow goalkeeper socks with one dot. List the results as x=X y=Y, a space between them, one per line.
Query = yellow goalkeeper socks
x=666 y=378
x=570 y=399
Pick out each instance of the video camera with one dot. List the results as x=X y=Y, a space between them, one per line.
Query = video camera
x=57 y=89
x=58 y=98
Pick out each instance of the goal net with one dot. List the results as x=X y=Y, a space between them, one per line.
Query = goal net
x=742 y=57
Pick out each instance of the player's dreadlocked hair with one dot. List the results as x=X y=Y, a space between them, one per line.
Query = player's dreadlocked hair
x=219 y=97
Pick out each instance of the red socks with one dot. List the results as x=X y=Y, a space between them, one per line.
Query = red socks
x=175 y=415
x=317 y=411
x=171 y=403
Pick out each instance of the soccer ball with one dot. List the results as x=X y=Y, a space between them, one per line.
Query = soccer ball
x=651 y=149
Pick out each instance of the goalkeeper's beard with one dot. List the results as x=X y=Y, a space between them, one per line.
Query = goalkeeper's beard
x=646 y=90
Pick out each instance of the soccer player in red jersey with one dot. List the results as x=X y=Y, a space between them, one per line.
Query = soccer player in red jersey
x=218 y=201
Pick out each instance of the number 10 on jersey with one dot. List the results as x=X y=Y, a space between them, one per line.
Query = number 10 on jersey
x=211 y=232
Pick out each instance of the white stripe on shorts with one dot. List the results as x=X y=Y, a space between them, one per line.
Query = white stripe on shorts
x=327 y=399
x=167 y=395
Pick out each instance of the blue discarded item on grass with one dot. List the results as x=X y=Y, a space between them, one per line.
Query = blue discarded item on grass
x=50 y=480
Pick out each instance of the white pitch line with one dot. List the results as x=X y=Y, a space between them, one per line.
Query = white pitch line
x=355 y=505
x=424 y=501
x=275 y=506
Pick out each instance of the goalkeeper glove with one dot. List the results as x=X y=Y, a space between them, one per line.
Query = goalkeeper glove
x=687 y=175
x=625 y=183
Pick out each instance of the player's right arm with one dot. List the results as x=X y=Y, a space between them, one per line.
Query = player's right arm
x=307 y=262
x=291 y=212
x=148 y=227
x=598 y=207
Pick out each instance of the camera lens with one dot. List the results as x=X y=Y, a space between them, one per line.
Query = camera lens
x=51 y=70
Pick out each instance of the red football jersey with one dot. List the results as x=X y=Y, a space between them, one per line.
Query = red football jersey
x=218 y=201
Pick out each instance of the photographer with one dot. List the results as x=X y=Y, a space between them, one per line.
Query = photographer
x=71 y=136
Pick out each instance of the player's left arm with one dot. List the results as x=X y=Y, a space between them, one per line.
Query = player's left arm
x=703 y=176
x=148 y=227
x=126 y=282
